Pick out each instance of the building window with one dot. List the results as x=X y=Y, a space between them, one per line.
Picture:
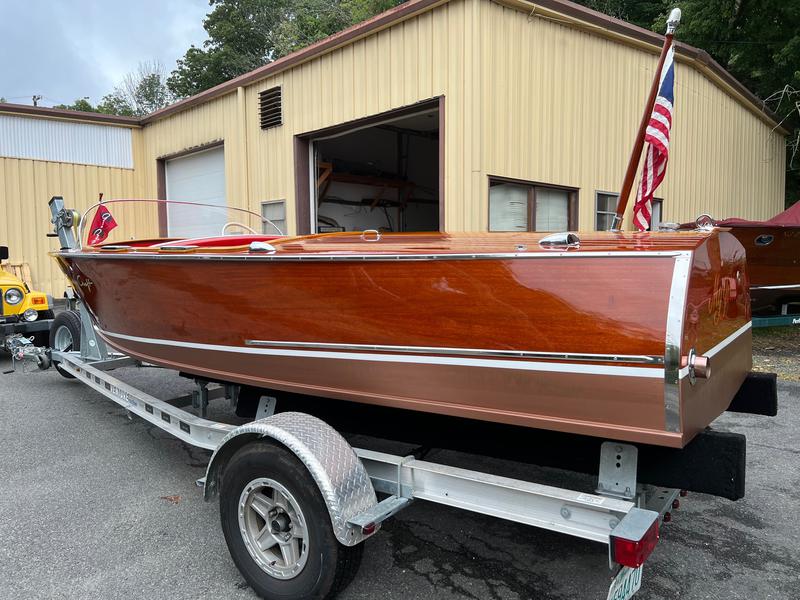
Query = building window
x=655 y=216
x=605 y=207
x=275 y=211
x=524 y=206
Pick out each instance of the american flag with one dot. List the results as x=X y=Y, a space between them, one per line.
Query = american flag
x=657 y=138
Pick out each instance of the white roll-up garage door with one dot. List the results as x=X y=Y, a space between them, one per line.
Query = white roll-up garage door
x=198 y=177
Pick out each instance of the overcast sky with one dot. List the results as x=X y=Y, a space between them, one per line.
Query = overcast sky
x=68 y=49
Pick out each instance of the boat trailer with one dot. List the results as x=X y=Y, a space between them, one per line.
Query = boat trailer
x=623 y=515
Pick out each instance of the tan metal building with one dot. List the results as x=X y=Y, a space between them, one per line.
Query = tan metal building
x=455 y=115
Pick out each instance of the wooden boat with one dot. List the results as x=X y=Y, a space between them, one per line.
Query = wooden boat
x=773 y=260
x=609 y=335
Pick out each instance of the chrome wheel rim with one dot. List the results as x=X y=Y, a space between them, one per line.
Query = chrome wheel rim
x=62 y=340
x=273 y=528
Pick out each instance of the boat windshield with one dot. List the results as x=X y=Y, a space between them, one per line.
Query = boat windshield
x=121 y=221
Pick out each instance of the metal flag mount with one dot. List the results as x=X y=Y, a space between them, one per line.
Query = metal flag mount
x=633 y=162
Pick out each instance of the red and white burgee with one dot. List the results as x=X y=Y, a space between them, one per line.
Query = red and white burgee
x=102 y=224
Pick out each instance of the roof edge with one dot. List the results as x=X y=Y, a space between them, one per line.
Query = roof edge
x=376 y=23
x=72 y=115
x=609 y=25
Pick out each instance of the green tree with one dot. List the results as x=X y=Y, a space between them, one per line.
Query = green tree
x=140 y=93
x=115 y=104
x=246 y=34
x=81 y=104
x=757 y=42
x=642 y=13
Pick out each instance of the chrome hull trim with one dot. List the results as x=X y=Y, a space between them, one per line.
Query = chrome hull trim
x=497 y=363
x=791 y=286
x=684 y=372
x=672 y=353
x=361 y=257
x=437 y=350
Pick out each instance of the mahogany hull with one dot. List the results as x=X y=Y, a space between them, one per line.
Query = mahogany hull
x=773 y=261
x=589 y=341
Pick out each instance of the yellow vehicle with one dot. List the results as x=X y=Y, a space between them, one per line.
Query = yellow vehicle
x=22 y=310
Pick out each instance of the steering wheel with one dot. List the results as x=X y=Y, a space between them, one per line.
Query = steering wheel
x=242 y=225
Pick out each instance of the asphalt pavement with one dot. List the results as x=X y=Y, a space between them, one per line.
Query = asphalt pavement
x=94 y=505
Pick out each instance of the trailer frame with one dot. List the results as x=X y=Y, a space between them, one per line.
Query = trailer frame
x=619 y=503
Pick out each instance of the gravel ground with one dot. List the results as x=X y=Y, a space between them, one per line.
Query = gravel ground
x=777 y=349
x=97 y=506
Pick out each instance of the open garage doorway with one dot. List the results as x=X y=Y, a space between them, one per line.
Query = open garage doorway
x=383 y=174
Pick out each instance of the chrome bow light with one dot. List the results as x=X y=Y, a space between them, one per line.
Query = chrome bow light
x=699 y=366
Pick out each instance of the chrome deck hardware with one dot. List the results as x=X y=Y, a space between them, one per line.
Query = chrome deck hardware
x=563 y=239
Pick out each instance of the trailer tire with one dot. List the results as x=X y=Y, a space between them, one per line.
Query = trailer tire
x=319 y=566
x=65 y=334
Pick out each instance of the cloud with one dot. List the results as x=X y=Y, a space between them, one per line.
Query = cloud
x=68 y=50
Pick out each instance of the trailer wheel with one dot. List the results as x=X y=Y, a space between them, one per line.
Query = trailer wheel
x=65 y=335
x=278 y=528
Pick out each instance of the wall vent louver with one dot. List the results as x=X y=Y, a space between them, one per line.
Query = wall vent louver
x=269 y=106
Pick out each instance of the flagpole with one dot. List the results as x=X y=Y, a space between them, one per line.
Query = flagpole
x=633 y=162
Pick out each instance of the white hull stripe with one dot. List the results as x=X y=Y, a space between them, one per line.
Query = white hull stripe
x=519 y=365
x=684 y=372
x=791 y=286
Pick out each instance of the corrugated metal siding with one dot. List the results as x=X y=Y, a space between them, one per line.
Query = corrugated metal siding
x=25 y=188
x=393 y=68
x=562 y=106
x=214 y=121
x=526 y=97
x=65 y=141
x=415 y=60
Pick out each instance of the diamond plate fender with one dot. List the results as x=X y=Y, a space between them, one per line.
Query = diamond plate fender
x=342 y=479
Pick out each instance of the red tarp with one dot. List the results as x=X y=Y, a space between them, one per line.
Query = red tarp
x=788 y=218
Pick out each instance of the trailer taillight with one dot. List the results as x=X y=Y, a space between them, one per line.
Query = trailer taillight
x=635 y=538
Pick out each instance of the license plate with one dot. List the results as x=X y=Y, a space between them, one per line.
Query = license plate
x=625 y=584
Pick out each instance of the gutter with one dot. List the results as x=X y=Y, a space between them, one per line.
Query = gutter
x=63 y=114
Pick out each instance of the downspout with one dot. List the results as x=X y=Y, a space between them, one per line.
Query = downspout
x=244 y=174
